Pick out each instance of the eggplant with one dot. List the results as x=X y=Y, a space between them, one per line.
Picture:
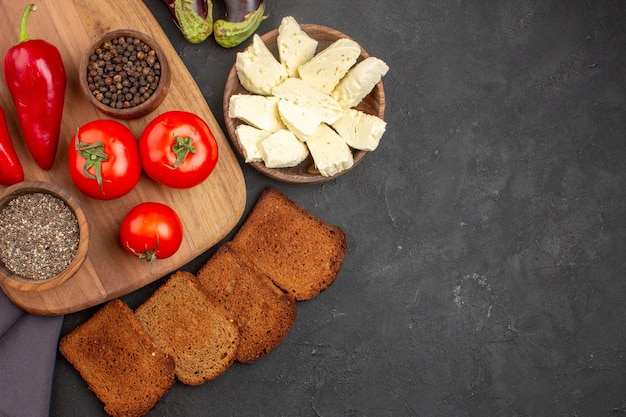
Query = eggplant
x=243 y=18
x=194 y=18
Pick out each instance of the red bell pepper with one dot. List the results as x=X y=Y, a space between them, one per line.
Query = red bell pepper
x=11 y=171
x=35 y=75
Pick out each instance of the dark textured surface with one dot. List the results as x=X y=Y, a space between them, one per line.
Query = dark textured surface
x=486 y=267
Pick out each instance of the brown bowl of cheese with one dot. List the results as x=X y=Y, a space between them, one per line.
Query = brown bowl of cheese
x=304 y=103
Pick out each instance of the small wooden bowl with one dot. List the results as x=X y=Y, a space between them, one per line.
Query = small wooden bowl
x=305 y=172
x=27 y=284
x=157 y=95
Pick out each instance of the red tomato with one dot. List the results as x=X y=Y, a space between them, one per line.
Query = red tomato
x=151 y=231
x=178 y=149
x=104 y=159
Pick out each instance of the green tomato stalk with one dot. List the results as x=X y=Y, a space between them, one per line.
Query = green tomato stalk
x=94 y=157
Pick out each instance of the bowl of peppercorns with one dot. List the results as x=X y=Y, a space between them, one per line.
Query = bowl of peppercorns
x=44 y=235
x=125 y=74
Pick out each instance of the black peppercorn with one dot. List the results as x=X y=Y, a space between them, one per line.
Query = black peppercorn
x=123 y=72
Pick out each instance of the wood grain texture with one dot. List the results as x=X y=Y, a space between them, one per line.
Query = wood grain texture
x=208 y=211
x=305 y=172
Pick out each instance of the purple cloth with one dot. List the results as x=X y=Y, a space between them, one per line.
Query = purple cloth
x=28 y=346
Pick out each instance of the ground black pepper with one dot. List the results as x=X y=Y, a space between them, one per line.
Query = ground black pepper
x=39 y=235
x=123 y=72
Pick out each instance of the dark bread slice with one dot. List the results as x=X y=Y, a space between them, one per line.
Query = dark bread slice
x=115 y=356
x=299 y=252
x=263 y=312
x=184 y=323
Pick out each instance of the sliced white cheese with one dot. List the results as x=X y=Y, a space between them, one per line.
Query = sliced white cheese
x=295 y=47
x=257 y=69
x=258 y=111
x=298 y=119
x=297 y=91
x=329 y=66
x=250 y=137
x=360 y=130
x=330 y=152
x=359 y=81
x=282 y=149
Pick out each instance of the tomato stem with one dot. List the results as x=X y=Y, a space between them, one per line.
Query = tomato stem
x=94 y=156
x=149 y=254
x=181 y=148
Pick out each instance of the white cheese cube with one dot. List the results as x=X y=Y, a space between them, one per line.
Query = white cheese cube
x=297 y=91
x=329 y=66
x=330 y=152
x=257 y=69
x=250 y=137
x=282 y=149
x=258 y=111
x=360 y=130
x=359 y=81
x=295 y=47
x=298 y=119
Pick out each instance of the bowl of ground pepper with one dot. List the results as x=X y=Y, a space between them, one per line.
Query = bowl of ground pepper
x=125 y=74
x=44 y=235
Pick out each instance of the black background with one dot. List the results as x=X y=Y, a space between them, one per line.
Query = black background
x=485 y=274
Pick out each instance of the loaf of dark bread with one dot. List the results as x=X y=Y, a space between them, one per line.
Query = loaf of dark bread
x=184 y=323
x=299 y=252
x=263 y=312
x=115 y=356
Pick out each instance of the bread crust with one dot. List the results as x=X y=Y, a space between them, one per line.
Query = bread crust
x=263 y=312
x=116 y=357
x=299 y=252
x=184 y=323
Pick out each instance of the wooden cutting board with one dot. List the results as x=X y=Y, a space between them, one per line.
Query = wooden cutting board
x=208 y=211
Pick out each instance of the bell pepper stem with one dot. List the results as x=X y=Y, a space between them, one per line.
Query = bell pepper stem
x=23 y=32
